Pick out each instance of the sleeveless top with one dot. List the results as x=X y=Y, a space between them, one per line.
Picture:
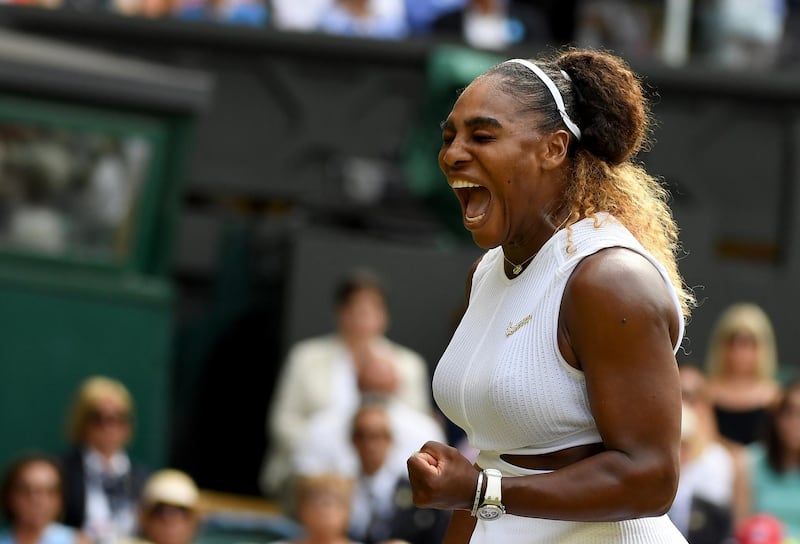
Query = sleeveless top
x=742 y=426
x=502 y=378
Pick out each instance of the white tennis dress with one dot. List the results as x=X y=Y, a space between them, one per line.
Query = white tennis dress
x=504 y=381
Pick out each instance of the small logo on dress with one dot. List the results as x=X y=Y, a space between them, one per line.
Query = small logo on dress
x=514 y=327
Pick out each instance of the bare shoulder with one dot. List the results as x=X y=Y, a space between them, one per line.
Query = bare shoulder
x=615 y=291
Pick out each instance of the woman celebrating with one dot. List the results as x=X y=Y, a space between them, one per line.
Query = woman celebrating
x=562 y=371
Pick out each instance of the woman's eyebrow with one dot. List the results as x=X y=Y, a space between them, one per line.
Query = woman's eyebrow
x=473 y=122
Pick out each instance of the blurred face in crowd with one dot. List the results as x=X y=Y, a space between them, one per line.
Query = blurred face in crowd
x=169 y=524
x=36 y=495
x=372 y=438
x=363 y=315
x=108 y=425
x=788 y=422
x=741 y=354
x=325 y=514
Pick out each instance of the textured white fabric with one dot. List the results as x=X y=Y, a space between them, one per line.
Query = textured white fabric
x=521 y=530
x=516 y=393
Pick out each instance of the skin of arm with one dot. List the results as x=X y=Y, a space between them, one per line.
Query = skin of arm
x=618 y=325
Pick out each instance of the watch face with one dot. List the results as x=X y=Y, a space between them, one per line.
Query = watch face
x=489 y=512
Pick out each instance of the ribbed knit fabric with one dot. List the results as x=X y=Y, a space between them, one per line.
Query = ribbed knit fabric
x=502 y=378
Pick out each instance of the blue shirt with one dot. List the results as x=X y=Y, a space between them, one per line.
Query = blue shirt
x=54 y=534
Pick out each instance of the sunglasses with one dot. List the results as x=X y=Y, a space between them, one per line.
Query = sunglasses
x=164 y=510
x=103 y=419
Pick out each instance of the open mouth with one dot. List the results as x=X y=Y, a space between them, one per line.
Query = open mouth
x=474 y=198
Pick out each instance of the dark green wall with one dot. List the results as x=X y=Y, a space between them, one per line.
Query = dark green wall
x=53 y=338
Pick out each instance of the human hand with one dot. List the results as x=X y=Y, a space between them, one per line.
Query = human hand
x=441 y=478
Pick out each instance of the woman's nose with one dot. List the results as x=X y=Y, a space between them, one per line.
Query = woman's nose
x=453 y=154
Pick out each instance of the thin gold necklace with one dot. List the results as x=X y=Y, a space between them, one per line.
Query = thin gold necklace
x=517 y=268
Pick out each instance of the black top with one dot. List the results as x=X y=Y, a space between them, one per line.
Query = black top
x=742 y=426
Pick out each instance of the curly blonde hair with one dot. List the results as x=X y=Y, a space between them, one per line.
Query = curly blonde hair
x=606 y=100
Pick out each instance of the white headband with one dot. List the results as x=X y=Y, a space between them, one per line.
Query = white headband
x=573 y=128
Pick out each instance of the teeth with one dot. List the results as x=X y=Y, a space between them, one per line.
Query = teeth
x=461 y=184
x=475 y=219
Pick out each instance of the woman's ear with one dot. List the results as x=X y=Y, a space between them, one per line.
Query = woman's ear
x=555 y=151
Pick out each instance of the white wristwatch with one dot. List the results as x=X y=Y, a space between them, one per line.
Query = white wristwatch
x=492 y=507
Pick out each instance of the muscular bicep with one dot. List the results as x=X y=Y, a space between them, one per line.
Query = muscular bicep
x=620 y=324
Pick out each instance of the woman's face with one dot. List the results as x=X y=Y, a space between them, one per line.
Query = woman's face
x=324 y=514
x=491 y=155
x=741 y=354
x=36 y=495
x=168 y=524
x=108 y=426
x=363 y=316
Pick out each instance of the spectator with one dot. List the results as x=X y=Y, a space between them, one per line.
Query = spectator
x=743 y=34
x=495 y=24
x=702 y=509
x=421 y=14
x=297 y=16
x=383 y=19
x=775 y=464
x=627 y=27
x=32 y=502
x=382 y=509
x=169 y=508
x=331 y=372
x=101 y=484
x=709 y=444
x=327 y=445
x=323 y=509
x=742 y=364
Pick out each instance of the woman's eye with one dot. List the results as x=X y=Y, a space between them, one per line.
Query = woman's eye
x=447 y=138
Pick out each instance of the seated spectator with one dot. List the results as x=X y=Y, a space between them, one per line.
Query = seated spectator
x=421 y=14
x=331 y=372
x=323 y=509
x=328 y=446
x=168 y=513
x=495 y=24
x=731 y=488
x=382 y=509
x=775 y=464
x=702 y=509
x=32 y=502
x=101 y=484
x=742 y=365
x=628 y=27
x=383 y=19
x=297 y=16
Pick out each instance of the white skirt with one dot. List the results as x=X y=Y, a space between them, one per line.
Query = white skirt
x=524 y=530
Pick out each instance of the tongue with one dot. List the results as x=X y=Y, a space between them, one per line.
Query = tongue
x=478 y=202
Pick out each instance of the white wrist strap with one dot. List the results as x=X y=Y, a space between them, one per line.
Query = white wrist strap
x=478 y=490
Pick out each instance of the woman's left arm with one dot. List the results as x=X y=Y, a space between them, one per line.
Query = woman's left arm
x=618 y=325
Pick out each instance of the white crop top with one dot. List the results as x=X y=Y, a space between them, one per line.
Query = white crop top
x=502 y=378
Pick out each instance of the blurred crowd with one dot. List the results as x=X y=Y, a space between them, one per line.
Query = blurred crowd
x=349 y=408
x=731 y=33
